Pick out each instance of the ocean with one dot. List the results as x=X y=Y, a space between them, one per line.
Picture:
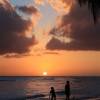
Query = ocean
x=37 y=88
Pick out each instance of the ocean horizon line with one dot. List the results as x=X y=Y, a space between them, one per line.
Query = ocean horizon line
x=53 y=76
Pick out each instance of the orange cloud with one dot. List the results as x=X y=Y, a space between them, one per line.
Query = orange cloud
x=2 y=1
x=61 y=6
x=39 y=2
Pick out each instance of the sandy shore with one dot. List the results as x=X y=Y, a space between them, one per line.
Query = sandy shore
x=64 y=99
x=45 y=97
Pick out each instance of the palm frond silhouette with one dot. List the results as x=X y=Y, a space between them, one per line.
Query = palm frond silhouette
x=94 y=7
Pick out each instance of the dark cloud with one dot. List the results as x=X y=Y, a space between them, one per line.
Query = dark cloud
x=13 y=29
x=83 y=33
x=55 y=44
x=51 y=53
x=28 y=9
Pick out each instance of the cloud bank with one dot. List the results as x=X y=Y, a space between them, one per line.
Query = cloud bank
x=13 y=29
x=83 y=33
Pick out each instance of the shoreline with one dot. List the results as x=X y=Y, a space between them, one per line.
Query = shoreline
x=45 y=97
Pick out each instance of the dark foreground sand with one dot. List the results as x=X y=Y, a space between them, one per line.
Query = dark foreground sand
x=64 y=99
x=44 y=97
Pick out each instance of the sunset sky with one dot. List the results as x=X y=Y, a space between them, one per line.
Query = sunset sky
x=54 y=36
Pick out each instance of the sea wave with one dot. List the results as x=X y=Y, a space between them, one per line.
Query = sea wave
x=28 y=97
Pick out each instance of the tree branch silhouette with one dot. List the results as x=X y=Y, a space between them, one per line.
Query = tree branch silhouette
x=94 y=7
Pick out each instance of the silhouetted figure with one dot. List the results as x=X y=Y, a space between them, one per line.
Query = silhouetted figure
x=67 y=90
x=52 y=95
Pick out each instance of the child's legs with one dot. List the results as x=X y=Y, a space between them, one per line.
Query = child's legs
x=51 y=97
x=54 y=97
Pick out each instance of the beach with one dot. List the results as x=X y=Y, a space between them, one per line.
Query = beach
x=38 y=88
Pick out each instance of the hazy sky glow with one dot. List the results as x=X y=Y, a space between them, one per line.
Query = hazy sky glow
x=50 y=36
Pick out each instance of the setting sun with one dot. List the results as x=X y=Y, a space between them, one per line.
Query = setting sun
x=45 y=73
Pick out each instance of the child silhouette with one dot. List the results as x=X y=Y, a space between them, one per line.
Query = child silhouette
x=52 y=95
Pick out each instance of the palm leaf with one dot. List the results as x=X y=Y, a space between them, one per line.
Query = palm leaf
x=94 y=7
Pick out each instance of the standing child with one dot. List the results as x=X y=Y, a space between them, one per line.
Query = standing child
x=52 y=95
